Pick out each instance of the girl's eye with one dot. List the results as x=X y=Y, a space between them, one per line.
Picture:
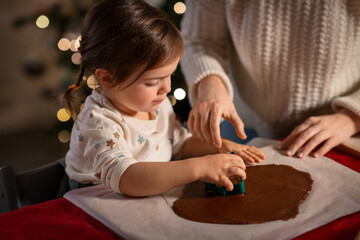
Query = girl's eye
x=152 y=84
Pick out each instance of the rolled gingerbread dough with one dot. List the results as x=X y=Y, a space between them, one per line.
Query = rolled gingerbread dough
x=273 y=192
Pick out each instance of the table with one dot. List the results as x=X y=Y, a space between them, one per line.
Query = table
x=60 y=219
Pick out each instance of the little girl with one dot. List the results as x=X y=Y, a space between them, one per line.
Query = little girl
x=126 y=134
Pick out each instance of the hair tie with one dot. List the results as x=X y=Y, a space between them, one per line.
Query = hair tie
x=74 y=87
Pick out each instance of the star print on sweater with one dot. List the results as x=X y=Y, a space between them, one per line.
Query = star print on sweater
x=81 y=137
x=116 y=135
x=141 y=139
x=110 y=143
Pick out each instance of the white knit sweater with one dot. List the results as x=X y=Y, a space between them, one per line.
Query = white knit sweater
x=288 y=59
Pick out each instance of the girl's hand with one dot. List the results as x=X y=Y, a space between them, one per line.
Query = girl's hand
x=213 y=102
x=324 y=132
x=249 y=154
x=217 y=168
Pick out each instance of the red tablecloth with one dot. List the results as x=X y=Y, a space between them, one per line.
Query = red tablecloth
x=60 y=219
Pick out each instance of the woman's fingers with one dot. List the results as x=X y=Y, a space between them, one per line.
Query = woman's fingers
x=190 y=123
x=238 y=124
x=204 y=122
x=293 y=136
x=327 y=146
x=214 y=126
x=322 y=132
x=205 y=114
x=306 y=141
x=197 y=126
x=314 y=141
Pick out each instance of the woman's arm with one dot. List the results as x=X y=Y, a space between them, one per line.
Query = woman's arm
x=206 y=38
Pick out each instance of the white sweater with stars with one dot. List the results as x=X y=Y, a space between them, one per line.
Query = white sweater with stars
x=104 y=142
x=282 y=61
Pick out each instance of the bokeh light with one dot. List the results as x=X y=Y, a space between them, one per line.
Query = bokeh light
x=77 y=43
x=64 y=136
x=76 y=58
x=92 y=82
x=63 y=115
x=179 y=8
x=179 y=94
x=172 y=100
x=64 y=44
x=42 y=21
x=73 y=45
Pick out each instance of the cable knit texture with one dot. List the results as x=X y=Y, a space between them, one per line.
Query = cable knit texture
x=288 y=59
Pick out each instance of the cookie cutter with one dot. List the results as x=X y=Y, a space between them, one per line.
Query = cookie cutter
x=238 y=182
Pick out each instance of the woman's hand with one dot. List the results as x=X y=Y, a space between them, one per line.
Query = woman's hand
x=324 y=132
x=213 y=102
x=249 y=154
x=217 y=168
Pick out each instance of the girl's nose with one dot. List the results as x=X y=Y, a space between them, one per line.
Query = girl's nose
x=166 y=86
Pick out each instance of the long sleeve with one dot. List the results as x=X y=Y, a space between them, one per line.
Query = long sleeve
x=206 y=41
x=350 y=102
x=105 y=142
x=99 y=151
x=286 y=60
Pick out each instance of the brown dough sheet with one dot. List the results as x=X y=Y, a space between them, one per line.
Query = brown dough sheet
x=272 y=192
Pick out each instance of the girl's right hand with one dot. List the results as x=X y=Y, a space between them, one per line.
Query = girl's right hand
x=218 y=168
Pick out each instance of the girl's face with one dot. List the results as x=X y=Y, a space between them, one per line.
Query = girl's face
x=145 y=94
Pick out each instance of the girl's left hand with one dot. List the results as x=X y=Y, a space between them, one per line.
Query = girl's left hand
x=249 y=154
x=328 y=130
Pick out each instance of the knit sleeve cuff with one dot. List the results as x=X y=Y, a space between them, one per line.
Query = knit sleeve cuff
x=350 y=102
x=197 y=68
x=118 y=171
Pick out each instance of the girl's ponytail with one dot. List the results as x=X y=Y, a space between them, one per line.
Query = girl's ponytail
x=70 y=102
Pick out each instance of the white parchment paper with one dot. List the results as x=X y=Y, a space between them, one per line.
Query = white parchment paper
x=335 y=193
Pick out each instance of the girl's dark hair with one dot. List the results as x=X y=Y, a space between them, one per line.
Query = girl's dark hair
x=121 y=36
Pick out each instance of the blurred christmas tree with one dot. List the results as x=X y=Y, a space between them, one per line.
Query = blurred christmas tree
x=64 y=18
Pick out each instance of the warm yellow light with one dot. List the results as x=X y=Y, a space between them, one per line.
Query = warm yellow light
x=76 y=58
x=77 y=42
x=179 y=7
x=42 y=21
x=92 y=82
x=63 y=115
x=64 y=136
x=64 y=44
x=172 y=100
x=179 y=94
x=74 y=44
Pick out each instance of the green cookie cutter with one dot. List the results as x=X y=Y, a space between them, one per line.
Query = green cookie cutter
x=239 y=188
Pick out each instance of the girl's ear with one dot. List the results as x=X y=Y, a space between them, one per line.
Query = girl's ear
x=105 y=78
